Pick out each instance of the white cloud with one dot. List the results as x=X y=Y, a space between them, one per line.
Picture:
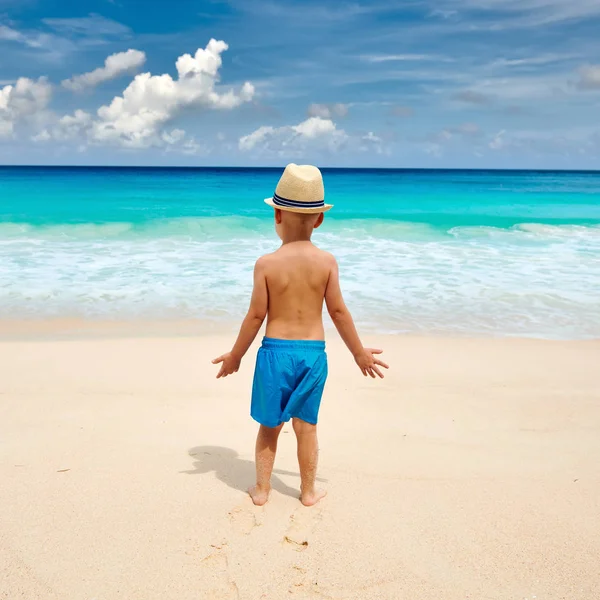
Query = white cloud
x=10 y=35
x=69 y=36
x=443 y=14
x=517 y=14
x=498 y=142
x=434 y=150
x=135 y=119
x=379 y=58
x=315 y=127
x=328 y=111
x=73 y=126
x=178 y=142
x=69 y=127
x=566 y=142
x=519 y=88
x=42 y=136
x=36 y=40
x=449 y=139
x=93 y=24
x=173 y=137
x=47 y=47
x=24 y=100
x=371 y=137
x=114 y=66
x=531 y=61
x=589 y=77
x=315 y=134
x=261 y=136
x=371 y=142
x=318 y=13
x=6 y=128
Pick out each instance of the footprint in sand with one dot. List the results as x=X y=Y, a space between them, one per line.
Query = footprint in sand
x=244 y=519
x=302 y=524
x=216 y=580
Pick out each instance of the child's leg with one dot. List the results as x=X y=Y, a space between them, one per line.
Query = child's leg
x=266 y=447
x=308 y=455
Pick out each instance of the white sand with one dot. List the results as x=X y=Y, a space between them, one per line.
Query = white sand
x=471 y=471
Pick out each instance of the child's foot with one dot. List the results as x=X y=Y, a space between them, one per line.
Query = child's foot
x=259 y=496
x=311 y=498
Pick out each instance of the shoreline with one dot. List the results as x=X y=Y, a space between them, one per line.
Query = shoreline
x=75 y=328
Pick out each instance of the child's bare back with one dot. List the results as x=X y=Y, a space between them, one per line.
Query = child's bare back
x=290 y=286
x=296 y=277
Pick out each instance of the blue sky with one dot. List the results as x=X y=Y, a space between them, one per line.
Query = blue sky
x=417 y=83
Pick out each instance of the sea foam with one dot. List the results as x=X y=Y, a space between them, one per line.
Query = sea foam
x=529 y=279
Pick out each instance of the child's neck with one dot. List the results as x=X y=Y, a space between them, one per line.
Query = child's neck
x=295 y=236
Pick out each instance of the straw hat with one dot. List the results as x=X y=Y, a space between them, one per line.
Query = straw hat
x=300 y=190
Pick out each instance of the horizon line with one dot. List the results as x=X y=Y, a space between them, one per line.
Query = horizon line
x=279 y=167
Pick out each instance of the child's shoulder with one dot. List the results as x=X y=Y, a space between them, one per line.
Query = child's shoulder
x=325 y=256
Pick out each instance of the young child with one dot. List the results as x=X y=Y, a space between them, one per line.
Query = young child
x=291 y=367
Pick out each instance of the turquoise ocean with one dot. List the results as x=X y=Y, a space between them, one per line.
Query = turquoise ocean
x=451 y=252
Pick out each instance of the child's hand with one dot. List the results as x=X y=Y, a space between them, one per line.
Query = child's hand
x=229 y=364
x=368 y=364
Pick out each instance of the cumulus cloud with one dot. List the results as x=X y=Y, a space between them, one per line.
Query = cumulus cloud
x=6 y=128
x=138 y=118
x=114 y=66
x=173 y=137
x=315 y=134
x=24 y=100
x=315 y=127
x=69 y=127
x=589 y=77
x=177 y=141
x=315 y=131
x=328 y=111
x=135 y=119
x=42 y=136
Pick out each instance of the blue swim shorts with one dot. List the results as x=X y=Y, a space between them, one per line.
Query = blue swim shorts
x=288 y=381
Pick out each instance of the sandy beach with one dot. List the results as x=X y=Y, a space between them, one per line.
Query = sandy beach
x=471 y=471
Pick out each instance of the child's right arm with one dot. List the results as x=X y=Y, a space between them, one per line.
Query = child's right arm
x=259 y=303
x=342 y=319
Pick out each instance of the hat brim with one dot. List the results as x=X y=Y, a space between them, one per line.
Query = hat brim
x=304 y=211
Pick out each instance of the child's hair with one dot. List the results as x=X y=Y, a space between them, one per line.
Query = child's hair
x=302 y=223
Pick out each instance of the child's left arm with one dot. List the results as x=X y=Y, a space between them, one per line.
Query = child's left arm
x=230 y=362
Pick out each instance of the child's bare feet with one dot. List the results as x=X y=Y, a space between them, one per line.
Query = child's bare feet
x=311 y=498
x=259 y=496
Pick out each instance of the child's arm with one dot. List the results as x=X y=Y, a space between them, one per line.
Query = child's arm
x=342 y=319
x=230 y=362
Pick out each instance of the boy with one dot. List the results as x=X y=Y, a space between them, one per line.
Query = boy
x=290 y=286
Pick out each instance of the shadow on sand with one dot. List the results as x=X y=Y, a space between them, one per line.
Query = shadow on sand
x=238 y=473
